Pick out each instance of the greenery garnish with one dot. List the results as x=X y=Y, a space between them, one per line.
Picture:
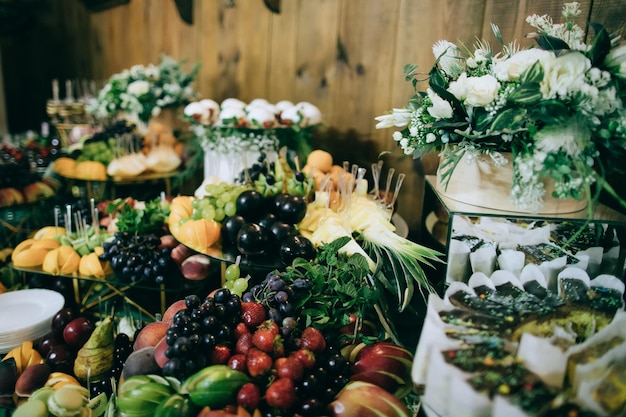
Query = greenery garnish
x=340 y=286
x=130 y=218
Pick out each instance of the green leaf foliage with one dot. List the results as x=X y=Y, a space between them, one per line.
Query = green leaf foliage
x=340 y=286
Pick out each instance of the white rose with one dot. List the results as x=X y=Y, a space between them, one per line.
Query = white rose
x=459 y=87
x=481 y=91
x=511 y=69
x=138 y=88
x=440 y=109
x=566 y=74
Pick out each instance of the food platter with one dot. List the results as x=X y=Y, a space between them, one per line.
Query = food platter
x=26 y=315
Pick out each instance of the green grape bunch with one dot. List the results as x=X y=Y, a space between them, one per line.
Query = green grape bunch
x=218 y=203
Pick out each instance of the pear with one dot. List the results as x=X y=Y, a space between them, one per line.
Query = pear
x=95 y=359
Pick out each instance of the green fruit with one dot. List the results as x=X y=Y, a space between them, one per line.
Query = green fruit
x=132 y=382
x=214 y=386
x=98 y=404
x=176 y=406
x=32 y=408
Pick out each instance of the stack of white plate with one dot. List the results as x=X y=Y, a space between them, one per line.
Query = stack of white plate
x=26 y=315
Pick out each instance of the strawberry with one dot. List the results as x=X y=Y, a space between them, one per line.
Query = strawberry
x=249 y=396
x=240 y=330
x=244 y=343
x=313 y=340
x=306 y=357
x=238 y=362
x=281 y=394
x=269 y=325
x=289 y=367
x=258 y=362
x=253 y=314
x=265 y=339
x=219 y=355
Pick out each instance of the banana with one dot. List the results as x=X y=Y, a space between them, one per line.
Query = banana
x=95 y=358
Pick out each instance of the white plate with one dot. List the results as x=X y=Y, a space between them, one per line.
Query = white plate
x=25 y=311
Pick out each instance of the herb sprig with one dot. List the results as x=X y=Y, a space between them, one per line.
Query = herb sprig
x=339 y=286
x=131 y=218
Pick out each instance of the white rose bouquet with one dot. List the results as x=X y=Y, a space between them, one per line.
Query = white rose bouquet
x=142 y=91
x=559 y=109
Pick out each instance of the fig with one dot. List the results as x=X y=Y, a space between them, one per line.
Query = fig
x=8 y=377
x=61 y=319
x=181 y=252
x=60 y=359
x=48 y=341
x=33 y=378
x=141 y=362
x=196 y=267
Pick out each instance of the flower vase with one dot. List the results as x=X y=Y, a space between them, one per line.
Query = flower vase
x=481 y=183
x=228 y=150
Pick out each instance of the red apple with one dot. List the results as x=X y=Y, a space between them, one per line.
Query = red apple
x=77 y=332
x=362 y=399
x=159 y=352
x=385 y=364
x=173 y=309
x=150 y=335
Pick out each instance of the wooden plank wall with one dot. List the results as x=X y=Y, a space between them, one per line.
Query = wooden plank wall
x=346 y=56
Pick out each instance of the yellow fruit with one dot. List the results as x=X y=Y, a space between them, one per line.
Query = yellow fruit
x=180 y=209
x=45 y=243
x=23 y=245
x=50 y=262
x=91 y=170
x=91 y=266
x=65 y=166
x=69 y=260
x=29 y=258
x=58 y=379
x=49 y=232
x=321 y=160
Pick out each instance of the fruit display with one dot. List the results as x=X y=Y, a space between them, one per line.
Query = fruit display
x=118 y=151
x=21 y=171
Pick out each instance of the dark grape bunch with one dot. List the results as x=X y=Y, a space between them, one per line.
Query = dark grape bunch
x=266 y=226
x=255 y=170
x=321 y=384
x=201 y=333
x=118 y=128
x=136 y=257
x=123 y=348
x=280 y=299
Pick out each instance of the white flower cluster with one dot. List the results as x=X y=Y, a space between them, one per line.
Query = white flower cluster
x=142 y=91
x=550 y=108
